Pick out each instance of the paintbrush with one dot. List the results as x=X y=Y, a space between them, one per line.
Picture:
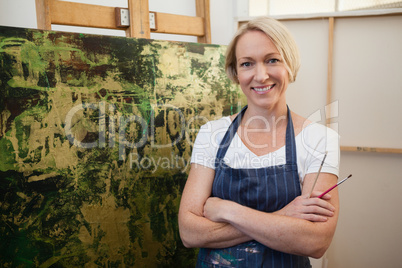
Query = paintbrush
x=330 y=189
x=319 y=170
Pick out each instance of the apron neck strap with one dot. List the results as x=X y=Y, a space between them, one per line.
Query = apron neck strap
x=291 y=156
x=227 y=139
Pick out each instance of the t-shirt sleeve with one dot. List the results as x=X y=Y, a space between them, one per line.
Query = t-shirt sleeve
x=207 y=142
x=319 y=140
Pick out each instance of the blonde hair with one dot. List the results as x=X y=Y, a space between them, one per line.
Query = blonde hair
x=279 y=35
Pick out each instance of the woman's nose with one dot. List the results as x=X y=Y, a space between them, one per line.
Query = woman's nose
x=261 y=73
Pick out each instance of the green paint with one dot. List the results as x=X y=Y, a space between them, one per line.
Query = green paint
x=7 y=155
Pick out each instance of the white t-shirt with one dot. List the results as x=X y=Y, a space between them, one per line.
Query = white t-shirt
x=311 y=144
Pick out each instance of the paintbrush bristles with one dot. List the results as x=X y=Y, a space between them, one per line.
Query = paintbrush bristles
x=344 y=179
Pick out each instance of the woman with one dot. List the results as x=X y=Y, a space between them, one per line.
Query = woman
x=246 y=201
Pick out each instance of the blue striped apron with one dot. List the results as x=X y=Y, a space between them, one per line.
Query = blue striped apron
x=266 y=189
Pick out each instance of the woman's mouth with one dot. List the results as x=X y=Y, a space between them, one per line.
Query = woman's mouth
x=262 y=90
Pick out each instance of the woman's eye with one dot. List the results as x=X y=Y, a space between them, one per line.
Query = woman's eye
x=245 y=64
x=273 y=61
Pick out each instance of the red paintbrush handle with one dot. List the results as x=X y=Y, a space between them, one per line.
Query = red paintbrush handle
x=327 y=191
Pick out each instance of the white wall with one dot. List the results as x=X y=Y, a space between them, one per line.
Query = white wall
x=367 y=88
x=368 y=85
x=21 y=13
x=311 y=81
x=369 y=64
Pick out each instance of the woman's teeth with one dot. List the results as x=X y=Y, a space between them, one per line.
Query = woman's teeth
x=262 y=89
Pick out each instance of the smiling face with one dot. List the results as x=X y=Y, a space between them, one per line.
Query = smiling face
x=261 y=71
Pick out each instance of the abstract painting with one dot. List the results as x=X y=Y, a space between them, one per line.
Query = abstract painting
x=96 y=135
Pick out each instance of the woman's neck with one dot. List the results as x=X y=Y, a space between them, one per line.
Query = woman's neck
x=265 y=119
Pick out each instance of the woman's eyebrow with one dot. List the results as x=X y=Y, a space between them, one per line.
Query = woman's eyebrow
x=274 y=54
x=245 y=58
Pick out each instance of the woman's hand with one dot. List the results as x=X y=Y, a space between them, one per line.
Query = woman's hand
x=312 y=209
x=215 y=209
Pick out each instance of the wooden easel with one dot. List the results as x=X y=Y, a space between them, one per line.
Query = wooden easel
x=50 y=12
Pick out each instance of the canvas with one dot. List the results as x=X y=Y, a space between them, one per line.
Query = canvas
x=96 y=135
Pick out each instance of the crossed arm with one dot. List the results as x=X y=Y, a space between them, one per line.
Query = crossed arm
x=303 y=227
